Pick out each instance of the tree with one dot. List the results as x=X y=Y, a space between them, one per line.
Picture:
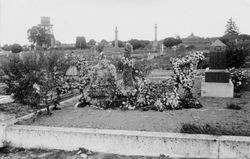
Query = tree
x=16 y=48
x=137 y=44
x=120 y=43
x=231 y=28
x=40 y=36
x=58 y=43
x=80 y=42
x=236 y=57
x=91 y=42
x=170 y=42
x=6 y=47
x=104 y=42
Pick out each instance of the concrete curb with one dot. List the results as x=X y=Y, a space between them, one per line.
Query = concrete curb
x=129 y=142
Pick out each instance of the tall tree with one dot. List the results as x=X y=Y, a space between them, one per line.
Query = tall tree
x=80 y=42
x=169 y=42
x=40 y=36
x=91 y=42
x=231 y=28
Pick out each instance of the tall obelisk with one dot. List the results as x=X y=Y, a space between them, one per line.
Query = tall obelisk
x=155 y=32
x=116 y=37
x=155 y=42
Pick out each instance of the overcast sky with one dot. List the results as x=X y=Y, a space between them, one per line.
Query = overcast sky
x=134 y=18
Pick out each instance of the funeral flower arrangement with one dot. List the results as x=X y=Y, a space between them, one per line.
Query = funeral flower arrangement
x=102 y=89
x=239 y=78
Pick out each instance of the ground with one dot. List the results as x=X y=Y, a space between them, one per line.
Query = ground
x=21 y=153
x=214 y=112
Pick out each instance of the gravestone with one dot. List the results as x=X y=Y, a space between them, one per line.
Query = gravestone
x=128 y=70
x=217 y=81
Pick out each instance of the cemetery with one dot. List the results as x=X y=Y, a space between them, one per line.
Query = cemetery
x=134 y=98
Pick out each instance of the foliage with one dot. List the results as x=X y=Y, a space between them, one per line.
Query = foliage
x=161 y=95
x=210 y=129
x=233 y=106
x=32 y=78
x=91 y=42
x=21 y=75
x=188 y=101
x=236 y=57
x=81 y=42
x=100 y=46
x=6 y=47
x=120 y=43
x=203 y=64
x=184 y=69
x=170 y=42
x=239 y=78
x=231 y=28
x=100 y=79
x=16 y=48
x=191 y=47
x=40 y=36
x=137 y=44
x=184 y=77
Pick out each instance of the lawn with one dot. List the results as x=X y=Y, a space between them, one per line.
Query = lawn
x=214 y=112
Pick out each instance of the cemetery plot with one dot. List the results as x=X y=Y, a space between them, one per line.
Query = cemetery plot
x=214 y=112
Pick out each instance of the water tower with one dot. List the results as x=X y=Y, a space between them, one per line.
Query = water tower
x=45 y=23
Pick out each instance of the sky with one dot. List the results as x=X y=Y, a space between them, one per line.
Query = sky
x=97 y=19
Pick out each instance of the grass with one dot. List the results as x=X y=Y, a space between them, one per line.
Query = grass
x=210 y=130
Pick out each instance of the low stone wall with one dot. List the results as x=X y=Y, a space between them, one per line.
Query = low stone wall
x=128 y=142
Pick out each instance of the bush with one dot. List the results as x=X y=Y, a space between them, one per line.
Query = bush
x=21 y=75
x=16 y=48
x=239 y=79
x=203 y=64
x=27 y=77
x=236 y=57
x=233 y=106
x=211 y=130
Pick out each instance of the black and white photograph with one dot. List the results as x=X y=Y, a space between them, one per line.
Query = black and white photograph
x=124 y=79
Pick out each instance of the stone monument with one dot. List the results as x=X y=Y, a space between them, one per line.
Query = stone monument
x=155 y=42
x=217 y=82
x=116 y=37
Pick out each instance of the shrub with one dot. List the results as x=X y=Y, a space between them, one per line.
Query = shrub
x=31 y=78
x=192 y=128
x=239 y=79
x=233 y=106
x=16 y=48
x=203 y=64
x=21 y=75
x=236 y=57
x=188 y=101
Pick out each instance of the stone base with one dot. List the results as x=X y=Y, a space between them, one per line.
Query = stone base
x=212 y=89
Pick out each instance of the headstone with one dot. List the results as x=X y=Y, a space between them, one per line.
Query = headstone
x=127 y=72
x=217 y=81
